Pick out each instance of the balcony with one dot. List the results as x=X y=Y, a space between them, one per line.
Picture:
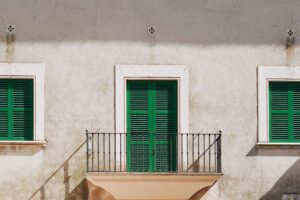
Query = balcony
x=152 y=166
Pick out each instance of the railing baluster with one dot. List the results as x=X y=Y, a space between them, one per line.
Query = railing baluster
x=87 y=150
x=176 y=151
x=115 y=153
x=193 y=149
x=215 y=153
x=187 y=151
x=98 y=150
x=209 y=154
x=198 y=153
x=219 y=153
x=143 y=151
x=181 y=144
x=171 y=158
x=92 y=152
x=104 y=169
x=204 y=153
x=131 y=151
x=158 y=155
x=108 y=151
x=121 y=152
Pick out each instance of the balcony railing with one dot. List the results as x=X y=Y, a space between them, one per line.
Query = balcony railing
x=154 y=153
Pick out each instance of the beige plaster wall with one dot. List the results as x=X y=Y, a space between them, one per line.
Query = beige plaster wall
x=80 y=42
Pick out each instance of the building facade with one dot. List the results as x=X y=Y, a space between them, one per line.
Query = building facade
x=123 y=99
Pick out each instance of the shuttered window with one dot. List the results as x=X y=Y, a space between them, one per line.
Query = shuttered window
x=284 y=111
x=152 y=126
x=16 y=109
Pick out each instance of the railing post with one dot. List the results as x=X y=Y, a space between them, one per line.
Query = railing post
x=87 y=150
x=219 y=153
x=92 y=152
x=115 y=152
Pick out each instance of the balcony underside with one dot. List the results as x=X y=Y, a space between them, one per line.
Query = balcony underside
x=128 y=186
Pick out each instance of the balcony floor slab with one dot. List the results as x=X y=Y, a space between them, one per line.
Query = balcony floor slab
x=129 y=186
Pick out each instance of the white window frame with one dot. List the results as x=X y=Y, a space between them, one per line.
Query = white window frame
x=151 y=72
x=35 y=71
x=265 y=75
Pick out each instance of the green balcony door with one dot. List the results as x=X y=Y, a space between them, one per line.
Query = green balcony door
x=151 y=126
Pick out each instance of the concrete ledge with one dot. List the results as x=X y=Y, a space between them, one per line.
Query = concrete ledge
x=23 y=143
x=278 y=145
x=125 y=186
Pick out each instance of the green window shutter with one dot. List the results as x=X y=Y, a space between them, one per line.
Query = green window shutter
x=138 y=126
x=22 y=109
x=279 y=112
x=296 y=113
x=165 y=126
x=16 y=109
x=4 y=122
x=152 y=126
x=284 y=109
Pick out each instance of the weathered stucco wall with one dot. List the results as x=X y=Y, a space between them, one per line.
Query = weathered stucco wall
x=80 y=42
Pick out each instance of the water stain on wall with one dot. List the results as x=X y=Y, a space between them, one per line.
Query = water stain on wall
x=290 y=54
x=10 y=47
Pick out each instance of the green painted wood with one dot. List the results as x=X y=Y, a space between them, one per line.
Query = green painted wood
x=16 y=109
x=138 y=126
x=151 y=118
x=284 y=109
x=4 y=109
x=296 y=114
x=165 y=126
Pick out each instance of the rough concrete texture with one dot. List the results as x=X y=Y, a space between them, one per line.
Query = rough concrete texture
x=80 y=42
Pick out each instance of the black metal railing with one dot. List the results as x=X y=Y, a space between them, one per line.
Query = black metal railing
x=154 y=153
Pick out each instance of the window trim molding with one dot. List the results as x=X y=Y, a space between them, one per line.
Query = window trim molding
x=265 y=75
x=35 y=71
x=148 y=72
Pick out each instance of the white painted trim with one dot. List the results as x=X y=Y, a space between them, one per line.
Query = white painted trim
x=35 y=71
x=157 y=72
x=138 y=72
x=278 y=145
x=266 y=74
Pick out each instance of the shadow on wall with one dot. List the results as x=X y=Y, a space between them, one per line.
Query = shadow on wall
x=19 y=150
x=198 y=21
x=289 y=182
x=79 y=193
x=59 y=184
x=198 y=195
x=97 y=193
x=273 y=152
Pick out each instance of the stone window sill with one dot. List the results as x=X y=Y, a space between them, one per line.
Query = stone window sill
x=278 y=145
x=40 y=144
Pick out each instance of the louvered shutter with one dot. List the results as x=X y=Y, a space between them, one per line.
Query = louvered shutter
x=279 y=112
x=138 y=124
x=296 y=112
x=165 y=126
x=284 y=119
x=4 y=109
x=22 y=109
